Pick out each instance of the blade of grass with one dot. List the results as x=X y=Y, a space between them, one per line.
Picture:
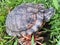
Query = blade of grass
x=32 y=40
x=56 y=5
x=11 y=40
x=16 y=42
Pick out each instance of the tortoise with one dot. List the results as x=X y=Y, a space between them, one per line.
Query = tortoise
x=25 y=19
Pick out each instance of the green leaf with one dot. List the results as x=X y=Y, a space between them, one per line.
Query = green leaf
x=56 y=5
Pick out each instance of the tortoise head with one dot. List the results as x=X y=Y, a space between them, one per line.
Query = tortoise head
x=48 y=14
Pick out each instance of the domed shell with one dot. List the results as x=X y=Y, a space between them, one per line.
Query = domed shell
x=26 y=18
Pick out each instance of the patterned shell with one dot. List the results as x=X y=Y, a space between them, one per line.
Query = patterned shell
x=26 y=18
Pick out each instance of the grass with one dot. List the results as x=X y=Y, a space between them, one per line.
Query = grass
x=8 y=5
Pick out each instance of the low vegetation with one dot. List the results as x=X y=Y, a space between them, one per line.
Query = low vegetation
x=54 y=36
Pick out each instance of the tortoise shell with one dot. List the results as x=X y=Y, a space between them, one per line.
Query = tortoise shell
x=26 y=18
